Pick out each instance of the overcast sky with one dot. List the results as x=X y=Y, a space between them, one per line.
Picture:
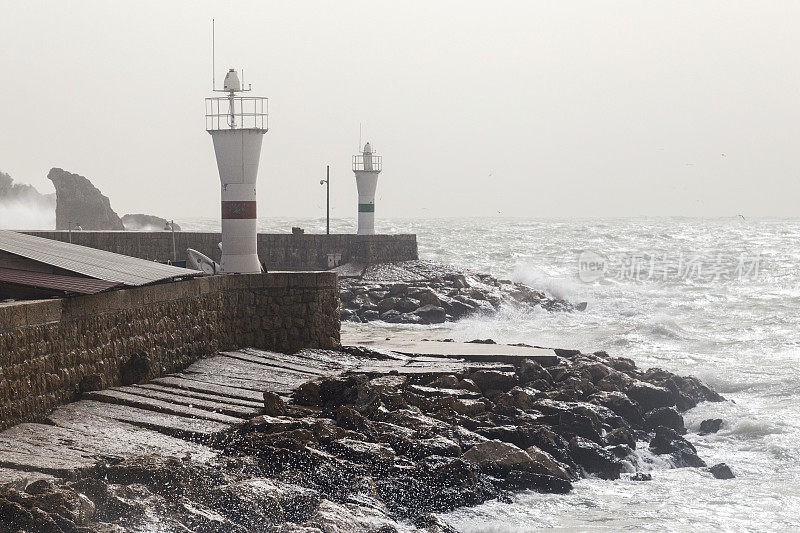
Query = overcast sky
x=614 y=108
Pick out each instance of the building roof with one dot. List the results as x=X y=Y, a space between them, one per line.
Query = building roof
x=91 y=262
x=54 y=283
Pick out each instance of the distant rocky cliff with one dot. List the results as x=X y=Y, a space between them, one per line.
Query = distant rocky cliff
x=81 y=203
x=76 y=202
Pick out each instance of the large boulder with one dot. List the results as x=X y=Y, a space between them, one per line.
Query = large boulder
x=545 y=463
x=78 y=202
x=721 y=471
x=667 y=417
x=498 y=458
x=620 y=404
x=712 y=425
x=667 y=441
x=595 y=459
x=649 y=396
x=430 y=314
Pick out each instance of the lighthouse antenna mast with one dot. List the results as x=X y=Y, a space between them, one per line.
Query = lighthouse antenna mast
x=233 y=89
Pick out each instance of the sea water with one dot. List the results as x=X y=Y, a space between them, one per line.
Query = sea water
x=715 y=298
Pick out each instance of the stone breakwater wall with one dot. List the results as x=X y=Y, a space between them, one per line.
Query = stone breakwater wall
x=52 y=350
x=280 y=251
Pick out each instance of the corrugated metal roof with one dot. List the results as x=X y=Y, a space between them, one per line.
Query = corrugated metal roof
x=90 y=262
x=55 y=282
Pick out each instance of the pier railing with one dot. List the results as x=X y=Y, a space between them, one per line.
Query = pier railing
x=239 y=112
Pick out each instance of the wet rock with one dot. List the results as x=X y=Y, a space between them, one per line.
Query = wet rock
x=594 y=459
x=524 y=480
x=721 y=471
x=712 y=425
x=687 y=391
x=494 y=381
x=665 y=416
x=354 y=391
x=481 y=341
x=430 y=314
x=620 y=404
x=273 y=404
x=333 y=517
x=432 y=524
x=370 y=315
x=427 y=297
x=307 y=394
x=668 y=441
x=391 y=316
x=649 y=396
x=641 y=476
x=437 y=445
x=545 y=464
x=407 y=305
x=531 y=370
x=251 y=503
x=378 y=457
x=398 y=289
x=621 y=436
x=387 y=304
x=349 y=418
x=498 y=458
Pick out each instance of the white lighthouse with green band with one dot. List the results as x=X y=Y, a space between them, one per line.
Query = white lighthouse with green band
x=366 y=166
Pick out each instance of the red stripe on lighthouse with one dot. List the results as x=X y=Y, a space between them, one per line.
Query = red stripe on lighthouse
x=244 y=209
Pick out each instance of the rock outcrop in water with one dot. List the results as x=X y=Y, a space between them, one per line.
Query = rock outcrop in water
x=423 y=292
x=376 y=452
x=78 y=202
x=140 y=222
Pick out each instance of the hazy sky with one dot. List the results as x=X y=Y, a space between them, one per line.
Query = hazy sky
x=557 y=108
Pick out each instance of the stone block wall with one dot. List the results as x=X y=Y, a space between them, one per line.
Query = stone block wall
x=280 y=251
x=48 y=348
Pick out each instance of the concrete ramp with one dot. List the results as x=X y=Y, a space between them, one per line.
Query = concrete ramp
x=468 y=351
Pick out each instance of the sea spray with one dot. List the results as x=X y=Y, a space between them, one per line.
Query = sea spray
x=26 y=214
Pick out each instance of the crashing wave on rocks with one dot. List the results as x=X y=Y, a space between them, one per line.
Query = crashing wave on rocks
x=423 y=292
x=371 y=451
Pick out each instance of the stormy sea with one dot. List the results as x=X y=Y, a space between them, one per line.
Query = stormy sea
x=713 y=298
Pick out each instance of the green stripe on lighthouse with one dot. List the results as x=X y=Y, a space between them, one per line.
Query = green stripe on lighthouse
x=366 y=208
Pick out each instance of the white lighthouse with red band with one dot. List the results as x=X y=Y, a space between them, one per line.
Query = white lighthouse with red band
x=237 y=125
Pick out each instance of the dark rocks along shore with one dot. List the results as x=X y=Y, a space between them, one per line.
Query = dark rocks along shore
x=423 y=292
x=377 y=452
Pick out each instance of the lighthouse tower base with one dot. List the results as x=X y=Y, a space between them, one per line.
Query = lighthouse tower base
x=238 y=152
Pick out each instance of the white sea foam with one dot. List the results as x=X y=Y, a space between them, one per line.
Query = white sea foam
x=741 y=336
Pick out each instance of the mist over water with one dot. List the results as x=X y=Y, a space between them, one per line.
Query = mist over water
x=22 y=214
x=714 y=298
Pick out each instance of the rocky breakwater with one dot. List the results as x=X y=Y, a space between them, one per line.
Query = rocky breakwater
x=423 y=292
x=372 y=451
